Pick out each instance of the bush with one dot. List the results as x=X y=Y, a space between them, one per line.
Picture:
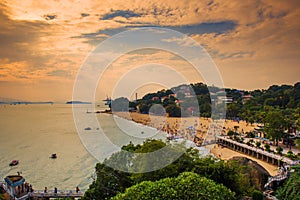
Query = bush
x=258 y=144
x=250 y=135
x=267 y=147
x=279 y=150
x=290 y=154
x=230 y=133
x=290 y=189
x=187 y=185
x=257 y=195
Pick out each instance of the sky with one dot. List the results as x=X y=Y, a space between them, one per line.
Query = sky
x=44 y=44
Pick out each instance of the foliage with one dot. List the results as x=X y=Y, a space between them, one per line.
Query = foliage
x=283 y=98
x=297 y=142
x=187 y=185
x=290 y=154
x=267 y=147
x=173 y=110
x=238 y=139
x=275 y=125
x=230 y=133
x=250 y=135
x=258 y=144
x=257 y=195
x=279 y=150
x=110 y=181
x=290 y=189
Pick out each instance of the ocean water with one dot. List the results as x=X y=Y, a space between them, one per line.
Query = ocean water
x=31 y=133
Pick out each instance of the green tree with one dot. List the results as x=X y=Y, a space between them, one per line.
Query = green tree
x=144 y=108
x=257 y=195
x=173 y=110
x=187 y=185
x=258 y=144
x=267 y=147
x=230 y=133
x=290 y=190
x=108 y=183
x=250 y=135
x=279 y=150
x=275 y=125
x=290 y=154
x=297 y=142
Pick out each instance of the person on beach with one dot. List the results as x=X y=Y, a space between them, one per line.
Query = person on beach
x=55 y=190
x=30 y=188
x=46 y=190
x=77 y=189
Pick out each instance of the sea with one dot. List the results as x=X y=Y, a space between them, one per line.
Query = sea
x=32 y=133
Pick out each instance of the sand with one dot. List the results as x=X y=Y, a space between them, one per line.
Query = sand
x=188 y=127
x=226 y=154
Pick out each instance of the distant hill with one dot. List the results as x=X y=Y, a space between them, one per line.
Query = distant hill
x=3 y=99
x=78 y=102
x=241 y=104
x=25 y=102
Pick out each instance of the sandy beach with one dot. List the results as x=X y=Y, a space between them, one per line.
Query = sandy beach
x=189 y=127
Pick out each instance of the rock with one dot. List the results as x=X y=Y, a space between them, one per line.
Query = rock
x=258 y=176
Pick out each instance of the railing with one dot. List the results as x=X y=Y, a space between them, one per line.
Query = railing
x=276 y=178
x=23 y=197
x=58 y=194
x=271 y=155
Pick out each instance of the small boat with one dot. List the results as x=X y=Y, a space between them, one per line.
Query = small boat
x=14 y=163
x=53 y=156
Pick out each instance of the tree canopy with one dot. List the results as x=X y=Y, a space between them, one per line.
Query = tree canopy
x=109 y=182
x=187 y=185
x=291 y=188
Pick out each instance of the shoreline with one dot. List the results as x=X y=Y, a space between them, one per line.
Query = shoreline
x=195 y=129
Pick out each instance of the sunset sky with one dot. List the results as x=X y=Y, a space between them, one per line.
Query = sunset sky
x=254 y=43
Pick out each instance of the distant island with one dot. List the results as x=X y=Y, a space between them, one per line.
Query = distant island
x=25 y=102
x=78 y=102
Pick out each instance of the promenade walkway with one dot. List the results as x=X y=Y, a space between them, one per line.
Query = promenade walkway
x=40 y=194
x=254 y=152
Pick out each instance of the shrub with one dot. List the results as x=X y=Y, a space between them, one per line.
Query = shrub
x=230 y=133
x=257 y=195
x=267 y=147
x=279 y=150
x=250 y=135
x=258 y=144
x=290 y=154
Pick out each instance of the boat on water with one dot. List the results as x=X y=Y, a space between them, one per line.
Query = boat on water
x=14 y=163
x=53 y=156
